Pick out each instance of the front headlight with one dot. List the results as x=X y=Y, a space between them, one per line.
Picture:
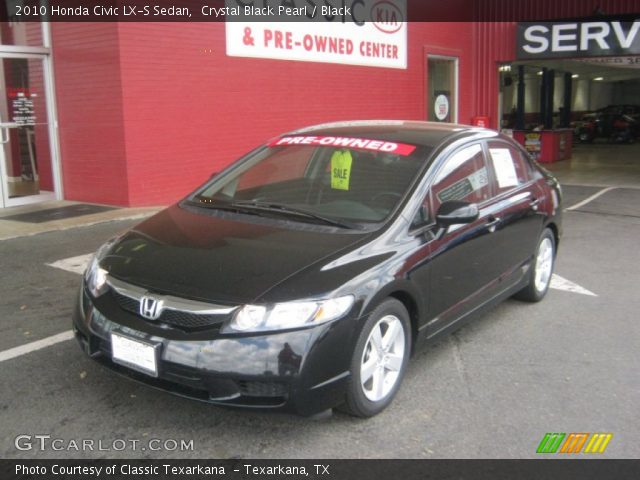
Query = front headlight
x=281 y=316
x=95 y=277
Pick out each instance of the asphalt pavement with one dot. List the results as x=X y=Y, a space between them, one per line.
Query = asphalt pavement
x=491 y=390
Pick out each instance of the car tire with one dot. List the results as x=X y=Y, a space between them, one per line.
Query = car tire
x=541 y=269
x=381 y=353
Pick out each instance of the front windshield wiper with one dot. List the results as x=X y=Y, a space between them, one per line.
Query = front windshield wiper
x=256 y=208
x=288 y=209
x=206 y=202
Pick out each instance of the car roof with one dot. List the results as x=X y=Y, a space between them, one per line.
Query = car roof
x=428 y=134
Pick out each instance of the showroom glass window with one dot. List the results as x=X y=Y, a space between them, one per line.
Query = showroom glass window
x=29 y=167
x=17 y=33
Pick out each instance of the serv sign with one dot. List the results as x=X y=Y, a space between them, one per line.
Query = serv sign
x=571 y=39
x=365 y=32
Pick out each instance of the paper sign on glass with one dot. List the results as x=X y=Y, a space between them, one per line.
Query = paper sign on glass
x=504 y=167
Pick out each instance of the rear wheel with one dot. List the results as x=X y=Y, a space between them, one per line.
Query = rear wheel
x=541 y=269
x=379 y=360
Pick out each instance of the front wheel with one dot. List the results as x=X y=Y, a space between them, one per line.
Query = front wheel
x=379 y=359
x=541 y=269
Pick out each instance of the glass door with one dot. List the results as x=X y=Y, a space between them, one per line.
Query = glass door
x=442 y=89
x=26 y=163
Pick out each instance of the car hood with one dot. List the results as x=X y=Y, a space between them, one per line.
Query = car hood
x=214 y=256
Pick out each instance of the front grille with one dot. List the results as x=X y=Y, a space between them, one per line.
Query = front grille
x=188 y=320
x=126 y=303
x=177 y=318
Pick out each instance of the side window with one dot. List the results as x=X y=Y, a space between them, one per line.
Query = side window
x=509 y=168
x=463 y=177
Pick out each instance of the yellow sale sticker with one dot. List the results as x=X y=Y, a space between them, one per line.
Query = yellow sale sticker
x=341 y=169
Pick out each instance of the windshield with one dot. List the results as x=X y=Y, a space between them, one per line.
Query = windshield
x=315 y=177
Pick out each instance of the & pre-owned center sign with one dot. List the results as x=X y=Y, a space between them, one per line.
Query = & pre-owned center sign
x=362 y=32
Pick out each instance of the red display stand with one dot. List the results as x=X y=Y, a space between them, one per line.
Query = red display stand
x=546 y=146
x=480 y=121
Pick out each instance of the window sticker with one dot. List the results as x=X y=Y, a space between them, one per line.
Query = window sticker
x=464 y=187
x=341 y=169
x=504 y=167
x=479 y=179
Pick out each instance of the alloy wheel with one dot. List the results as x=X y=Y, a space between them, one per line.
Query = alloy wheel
x=544 y=264
x=382 y=358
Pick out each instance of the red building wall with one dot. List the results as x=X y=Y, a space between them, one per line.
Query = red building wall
x=147 y=111
x=86 y=59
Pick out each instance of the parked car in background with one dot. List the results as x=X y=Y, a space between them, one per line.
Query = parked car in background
x=304 y=275
x=616 y=123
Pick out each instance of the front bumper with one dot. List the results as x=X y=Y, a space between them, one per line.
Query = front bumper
x=303 y=371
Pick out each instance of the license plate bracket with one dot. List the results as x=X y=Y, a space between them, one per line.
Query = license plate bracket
x=134 y=353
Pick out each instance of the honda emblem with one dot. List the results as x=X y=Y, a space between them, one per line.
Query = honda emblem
x=150 y=307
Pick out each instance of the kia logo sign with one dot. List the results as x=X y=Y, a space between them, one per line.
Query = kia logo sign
x=386 y=16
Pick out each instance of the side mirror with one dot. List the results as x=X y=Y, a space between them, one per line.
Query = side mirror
x=455 y=212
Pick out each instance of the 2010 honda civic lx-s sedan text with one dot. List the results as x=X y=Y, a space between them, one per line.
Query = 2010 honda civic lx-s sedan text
x=304 y=275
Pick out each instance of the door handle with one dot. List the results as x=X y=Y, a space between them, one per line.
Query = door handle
x=535 y=202
x=492 y=224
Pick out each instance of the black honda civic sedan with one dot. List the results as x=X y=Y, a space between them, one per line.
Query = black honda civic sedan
x=304 y=275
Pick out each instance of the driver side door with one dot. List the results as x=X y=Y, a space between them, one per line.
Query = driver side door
x=463 y=273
